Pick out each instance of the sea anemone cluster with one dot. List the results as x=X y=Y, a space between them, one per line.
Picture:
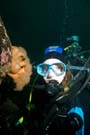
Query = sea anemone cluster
x=21 y=67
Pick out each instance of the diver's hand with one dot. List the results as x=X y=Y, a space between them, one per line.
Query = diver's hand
x=73 y=122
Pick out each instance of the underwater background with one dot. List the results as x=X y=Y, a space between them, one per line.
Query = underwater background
x=35 y=24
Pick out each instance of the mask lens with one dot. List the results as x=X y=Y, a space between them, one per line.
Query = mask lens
x=57 y=68
x=42 y=69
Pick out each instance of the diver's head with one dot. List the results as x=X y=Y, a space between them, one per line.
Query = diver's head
x=53 y=68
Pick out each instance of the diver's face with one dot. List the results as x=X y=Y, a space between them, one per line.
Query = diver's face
x=53 y=72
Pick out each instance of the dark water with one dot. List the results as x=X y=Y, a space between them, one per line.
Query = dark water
x=35 y=24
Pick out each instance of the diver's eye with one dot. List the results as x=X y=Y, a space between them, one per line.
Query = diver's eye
x=44 y=67
x=60 y=67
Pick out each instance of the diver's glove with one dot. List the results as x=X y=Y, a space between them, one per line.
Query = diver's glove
x=73 y=122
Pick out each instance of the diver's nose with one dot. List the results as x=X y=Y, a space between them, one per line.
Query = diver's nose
x=49 y=73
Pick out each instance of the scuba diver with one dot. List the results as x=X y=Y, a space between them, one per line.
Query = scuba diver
x=56 y=108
